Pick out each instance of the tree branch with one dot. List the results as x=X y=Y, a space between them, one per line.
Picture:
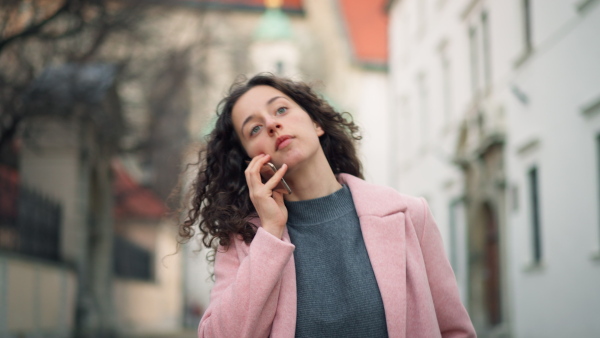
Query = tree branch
x=34 y=28
x=98 y=41
x=8 y=11
x=67 y=33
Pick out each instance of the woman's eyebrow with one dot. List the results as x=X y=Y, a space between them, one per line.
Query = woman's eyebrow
x=273 y=99
x=248 y=119
x=252 y=116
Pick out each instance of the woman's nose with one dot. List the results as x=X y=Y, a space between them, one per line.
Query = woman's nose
x=273 y=125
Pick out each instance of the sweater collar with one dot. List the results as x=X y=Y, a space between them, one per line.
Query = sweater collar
x=322 y=209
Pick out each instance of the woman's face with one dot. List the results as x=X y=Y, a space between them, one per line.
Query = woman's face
x=269 y=122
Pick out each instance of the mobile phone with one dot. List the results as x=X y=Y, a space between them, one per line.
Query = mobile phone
x=273 y=169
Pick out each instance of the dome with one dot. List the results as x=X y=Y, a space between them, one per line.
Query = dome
x=274 y=25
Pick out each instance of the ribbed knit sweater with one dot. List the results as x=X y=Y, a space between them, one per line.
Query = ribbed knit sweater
x=337 y=292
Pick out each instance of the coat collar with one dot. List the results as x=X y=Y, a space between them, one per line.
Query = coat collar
x=371 y=199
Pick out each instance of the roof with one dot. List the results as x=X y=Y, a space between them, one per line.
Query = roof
x=367 y=28
x=71 y=83
x=274 y=25
x=133 y=201
x=290 y=6
x=59 y=89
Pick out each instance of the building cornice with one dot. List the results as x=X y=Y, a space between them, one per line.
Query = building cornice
x=214 y=5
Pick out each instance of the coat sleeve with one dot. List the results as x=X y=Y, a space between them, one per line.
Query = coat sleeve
x=244 y=298
x=452 y=316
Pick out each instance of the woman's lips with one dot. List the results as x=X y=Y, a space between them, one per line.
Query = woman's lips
x=283 y=142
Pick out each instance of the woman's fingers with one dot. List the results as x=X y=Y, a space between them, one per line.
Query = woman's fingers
x=267 y=201
x=253 y=170
x=278 y=196
x=258 y=169
x=276 y=178
x=258 y=162
x=253 y=163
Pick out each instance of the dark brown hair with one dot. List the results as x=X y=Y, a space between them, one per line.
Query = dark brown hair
x=220 y=204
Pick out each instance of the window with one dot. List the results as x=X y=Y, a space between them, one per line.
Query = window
x=474 y=59
x=598 y=165
x=423 y=110
x=480 y=53
x=446 y=88
x=458 y=245
x=279 y=68
x=514 y=193
x=487 y=64
x=527 y=33
x=30 y=223
x=455 y=218
x=409 y=125
x=131 y=260
x=535 y=214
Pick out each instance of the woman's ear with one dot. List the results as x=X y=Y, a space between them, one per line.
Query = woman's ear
x=320 y=131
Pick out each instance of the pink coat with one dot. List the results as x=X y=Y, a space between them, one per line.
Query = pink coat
x=255 y=285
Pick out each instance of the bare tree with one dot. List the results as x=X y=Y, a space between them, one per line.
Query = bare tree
x=51 y=63
x=37 y=34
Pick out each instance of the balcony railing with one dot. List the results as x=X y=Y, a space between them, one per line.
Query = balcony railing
x=131 y=260
x=30 y=223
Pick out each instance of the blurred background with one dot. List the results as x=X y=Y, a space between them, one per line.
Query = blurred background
x=490 y=109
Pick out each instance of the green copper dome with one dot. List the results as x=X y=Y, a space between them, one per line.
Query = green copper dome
x=274 y=25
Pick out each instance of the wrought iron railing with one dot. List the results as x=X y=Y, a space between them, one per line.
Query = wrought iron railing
x=131 y=260
x=30 y=223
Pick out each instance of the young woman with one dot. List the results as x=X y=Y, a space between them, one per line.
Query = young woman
x=338 y=257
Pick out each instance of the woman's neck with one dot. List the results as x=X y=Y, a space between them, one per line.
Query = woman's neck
x=312 y=180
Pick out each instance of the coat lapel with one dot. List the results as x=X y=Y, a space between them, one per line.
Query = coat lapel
x=384 y=237
x=383 y=232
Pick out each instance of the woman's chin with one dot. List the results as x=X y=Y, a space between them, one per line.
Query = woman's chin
x=291 y=161
x=292 y=168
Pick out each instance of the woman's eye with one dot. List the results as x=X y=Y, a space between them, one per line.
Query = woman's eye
x=281 y=110
x=254 y=130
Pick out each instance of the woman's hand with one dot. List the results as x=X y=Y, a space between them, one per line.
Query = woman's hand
x=267 y=200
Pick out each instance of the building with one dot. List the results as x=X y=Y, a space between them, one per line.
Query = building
x=496 y=106
x=56 y=266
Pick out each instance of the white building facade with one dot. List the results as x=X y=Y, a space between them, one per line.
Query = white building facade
x=496 y=119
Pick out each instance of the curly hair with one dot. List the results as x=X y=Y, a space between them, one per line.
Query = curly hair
x=221 y=204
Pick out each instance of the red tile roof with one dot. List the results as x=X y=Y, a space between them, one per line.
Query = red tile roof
x=132 y=200
x=9 y=190
x=367 y=25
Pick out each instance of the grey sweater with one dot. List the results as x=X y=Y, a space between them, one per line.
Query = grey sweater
x=338 y=295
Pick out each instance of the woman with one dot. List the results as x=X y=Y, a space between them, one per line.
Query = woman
x=336 y=257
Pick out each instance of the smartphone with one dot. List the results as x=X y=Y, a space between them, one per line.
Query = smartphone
x=274 y=169
x=271 y=169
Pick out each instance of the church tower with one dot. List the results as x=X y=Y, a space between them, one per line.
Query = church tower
x=274 y=48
